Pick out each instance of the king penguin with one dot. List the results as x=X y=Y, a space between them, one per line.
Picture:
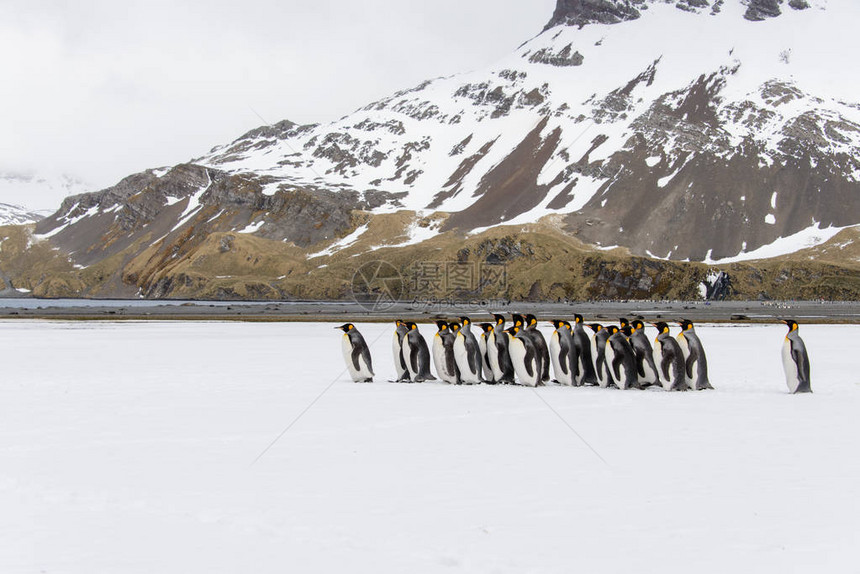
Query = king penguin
x=397 y=350
x=598 y=350
x=484 y=344
x=443 y=354
x=467 y=353
x=795 y=360
x=524 y=357
x=583 y=362
x=669 y=359
x=621 y=359
x=540 y=344
x=695 y=362
x=560 y=347
x=356 y=355
x=417 y=355
x=646 y=368
x=497 y=352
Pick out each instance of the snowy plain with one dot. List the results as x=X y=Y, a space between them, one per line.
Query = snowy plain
x=130 y=448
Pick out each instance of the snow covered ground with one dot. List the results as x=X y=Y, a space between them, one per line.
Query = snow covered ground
x=130 y=448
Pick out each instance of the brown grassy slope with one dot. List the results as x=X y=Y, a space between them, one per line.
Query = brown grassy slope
x=540 y=262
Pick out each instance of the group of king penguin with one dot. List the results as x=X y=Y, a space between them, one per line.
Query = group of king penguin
x=619 y=356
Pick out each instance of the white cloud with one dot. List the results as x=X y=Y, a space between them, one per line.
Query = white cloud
x=102 y=89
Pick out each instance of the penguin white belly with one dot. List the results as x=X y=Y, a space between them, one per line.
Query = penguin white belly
x=439 y=361
x=609 y=358
x=517 y=350
x=657 y=354
x=650 y=376
x=554 y=351
x=468 y=375
x=667 y=381
x=790 y=367
x=407 y=355
x=493 y=356
x=685 y=350
x=363 y=371
x=397 y=351
x=482 y=347
x=602 y=381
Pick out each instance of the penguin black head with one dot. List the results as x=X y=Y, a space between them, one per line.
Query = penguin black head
x=454 y=326
x=637 y=324
x=685 y=324
x=578 y=319
x=346 y=327
x=792 y=325
x=500 y=319
x=518 y=320
x=622 y=322
x=486 y=327
x=465 y=321
x=627 y=331
x=531 y=320
x=442 y=325
x=613 y=329
x=513 y=331
x=661 y=327
x=557 y=323
x=595 y=327
x=410 y=325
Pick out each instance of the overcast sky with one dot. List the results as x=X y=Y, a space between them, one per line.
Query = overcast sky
x=104 y=88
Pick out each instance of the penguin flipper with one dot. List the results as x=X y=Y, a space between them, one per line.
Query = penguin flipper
x=691 y=363
x=640 y=365
x=616 y=366
x=800 y=359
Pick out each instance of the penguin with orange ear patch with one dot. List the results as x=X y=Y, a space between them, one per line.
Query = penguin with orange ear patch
x=795 y=360
x=695 y=362
x=669 y=359
x=356 y=355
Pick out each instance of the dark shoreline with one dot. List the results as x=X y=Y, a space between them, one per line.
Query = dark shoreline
x=325 y=311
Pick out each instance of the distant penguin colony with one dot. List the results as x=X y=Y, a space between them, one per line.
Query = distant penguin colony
x=614 y=356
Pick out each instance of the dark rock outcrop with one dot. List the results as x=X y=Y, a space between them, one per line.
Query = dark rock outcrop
x=582 y=12
x=758 y=10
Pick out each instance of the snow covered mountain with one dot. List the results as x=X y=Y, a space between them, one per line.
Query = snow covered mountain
x=701 y=130
x=17 y=215
x=33 y=196
x=688 y=130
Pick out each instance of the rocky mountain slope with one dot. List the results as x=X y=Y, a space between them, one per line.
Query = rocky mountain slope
x=692 y=130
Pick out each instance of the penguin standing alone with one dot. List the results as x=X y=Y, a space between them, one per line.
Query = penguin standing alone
x=695 y=362
x=356 y=355
x=524 y=357
x=669 y=359
x=397 y=350
x=443 y=354
x=795 y=360
x=560 y=347
x=417 y=355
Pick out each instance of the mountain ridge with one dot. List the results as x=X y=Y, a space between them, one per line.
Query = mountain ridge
x=690 y=145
